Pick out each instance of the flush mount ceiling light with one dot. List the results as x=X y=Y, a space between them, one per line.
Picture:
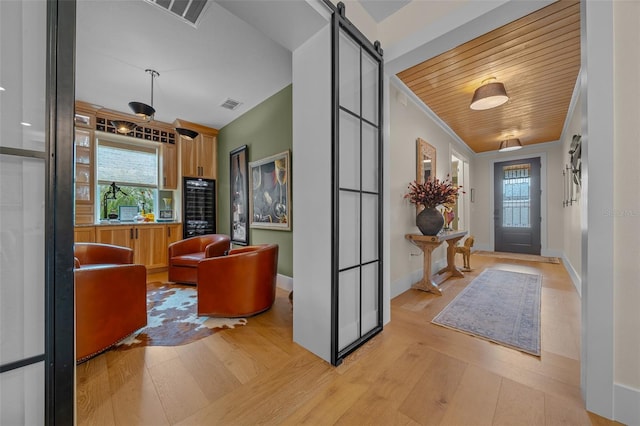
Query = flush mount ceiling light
x=510 y=145
x=143 y=110
x=186 y=133
x=124 y=127
x=489 y=95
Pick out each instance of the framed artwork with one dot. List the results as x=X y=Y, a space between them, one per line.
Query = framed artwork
x=425 y=161
x=239 y=192
x=270 y=192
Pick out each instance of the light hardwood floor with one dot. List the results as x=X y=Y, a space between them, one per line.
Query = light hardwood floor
x=412 y=373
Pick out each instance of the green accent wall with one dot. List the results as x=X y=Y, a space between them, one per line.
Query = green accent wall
x=267 y=129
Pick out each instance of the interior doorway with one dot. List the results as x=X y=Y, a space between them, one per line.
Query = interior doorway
x=517 y=206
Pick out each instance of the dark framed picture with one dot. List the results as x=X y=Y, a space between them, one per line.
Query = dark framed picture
x=270 y=192
x=239 y=190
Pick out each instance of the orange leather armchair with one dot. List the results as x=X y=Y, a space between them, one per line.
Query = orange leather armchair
x=240 y=284
x=111 y=297
x=184 y=255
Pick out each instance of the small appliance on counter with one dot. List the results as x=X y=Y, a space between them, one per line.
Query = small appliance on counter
x=198 y=207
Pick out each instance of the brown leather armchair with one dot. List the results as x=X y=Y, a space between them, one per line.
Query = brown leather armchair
x=240 y=284
x=184 y=255
x=111 y=297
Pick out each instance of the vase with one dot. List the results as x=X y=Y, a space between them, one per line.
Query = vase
x=430 y=221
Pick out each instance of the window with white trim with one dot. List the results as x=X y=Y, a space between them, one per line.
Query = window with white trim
x=134 y=170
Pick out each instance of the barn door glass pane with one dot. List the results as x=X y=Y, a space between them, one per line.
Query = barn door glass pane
x=349 y=151
x=23 y=39
x=370 y=88
x=349 y=78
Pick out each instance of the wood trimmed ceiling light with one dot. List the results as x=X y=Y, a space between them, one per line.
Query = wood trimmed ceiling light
x=489 y=95
x=510 y=145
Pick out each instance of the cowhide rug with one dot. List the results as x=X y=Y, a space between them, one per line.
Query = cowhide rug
x=172 y=319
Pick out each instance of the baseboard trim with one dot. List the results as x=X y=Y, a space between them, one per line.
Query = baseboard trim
x=403 y=284
x=284 y=282
x=626 y=404
x=481 y=247
x=575 y=278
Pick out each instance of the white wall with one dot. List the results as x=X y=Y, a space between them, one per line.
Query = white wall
x=311 y=157
x=551 y=201
x=626 y=203
x=409 y=122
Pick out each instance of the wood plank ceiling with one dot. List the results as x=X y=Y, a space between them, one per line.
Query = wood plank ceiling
x=537 y=58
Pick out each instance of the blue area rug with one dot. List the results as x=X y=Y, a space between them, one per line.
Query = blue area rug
x=500 y=306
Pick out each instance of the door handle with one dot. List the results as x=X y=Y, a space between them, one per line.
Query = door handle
x=168 y=231
x=136 y=233
x=131 y=233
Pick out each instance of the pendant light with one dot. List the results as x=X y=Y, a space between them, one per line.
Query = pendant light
x=147 y=112
x=187 y=133
x=141 y=109
x=124 y=127
x=510 y=145
x=489 y=95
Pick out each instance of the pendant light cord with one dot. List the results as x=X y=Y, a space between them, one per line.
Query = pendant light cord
x=154 y=74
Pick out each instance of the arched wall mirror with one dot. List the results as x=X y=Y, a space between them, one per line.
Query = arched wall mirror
x=425 y=161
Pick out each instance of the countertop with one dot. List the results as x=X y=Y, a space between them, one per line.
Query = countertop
x=125 y=224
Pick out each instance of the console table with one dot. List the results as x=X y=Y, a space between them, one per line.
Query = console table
x=428 y=243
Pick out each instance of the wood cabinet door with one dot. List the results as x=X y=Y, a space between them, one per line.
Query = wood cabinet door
x=207 y=156
x=169 y=166
x=117 y=235
x=84 y=234
x=174 y=233
x=150 y=246
x=189 y=158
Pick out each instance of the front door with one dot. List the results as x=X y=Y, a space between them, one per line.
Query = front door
x=517 y=206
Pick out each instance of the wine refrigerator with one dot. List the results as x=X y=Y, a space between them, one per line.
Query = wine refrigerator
x=198 y=207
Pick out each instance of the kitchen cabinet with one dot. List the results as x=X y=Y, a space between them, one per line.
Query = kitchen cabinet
x=174 y=233
x=84 y=234
x=83 y=175
x=169 y=166
x=84 y=122
x=148 y=241
x=199 y=155
x=117 y=235
x=150 y=246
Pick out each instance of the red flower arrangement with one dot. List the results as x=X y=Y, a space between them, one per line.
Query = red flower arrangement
x=433 y=192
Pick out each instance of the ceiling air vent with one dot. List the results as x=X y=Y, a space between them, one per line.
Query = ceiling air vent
x=188 y=11
x=230 y=104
